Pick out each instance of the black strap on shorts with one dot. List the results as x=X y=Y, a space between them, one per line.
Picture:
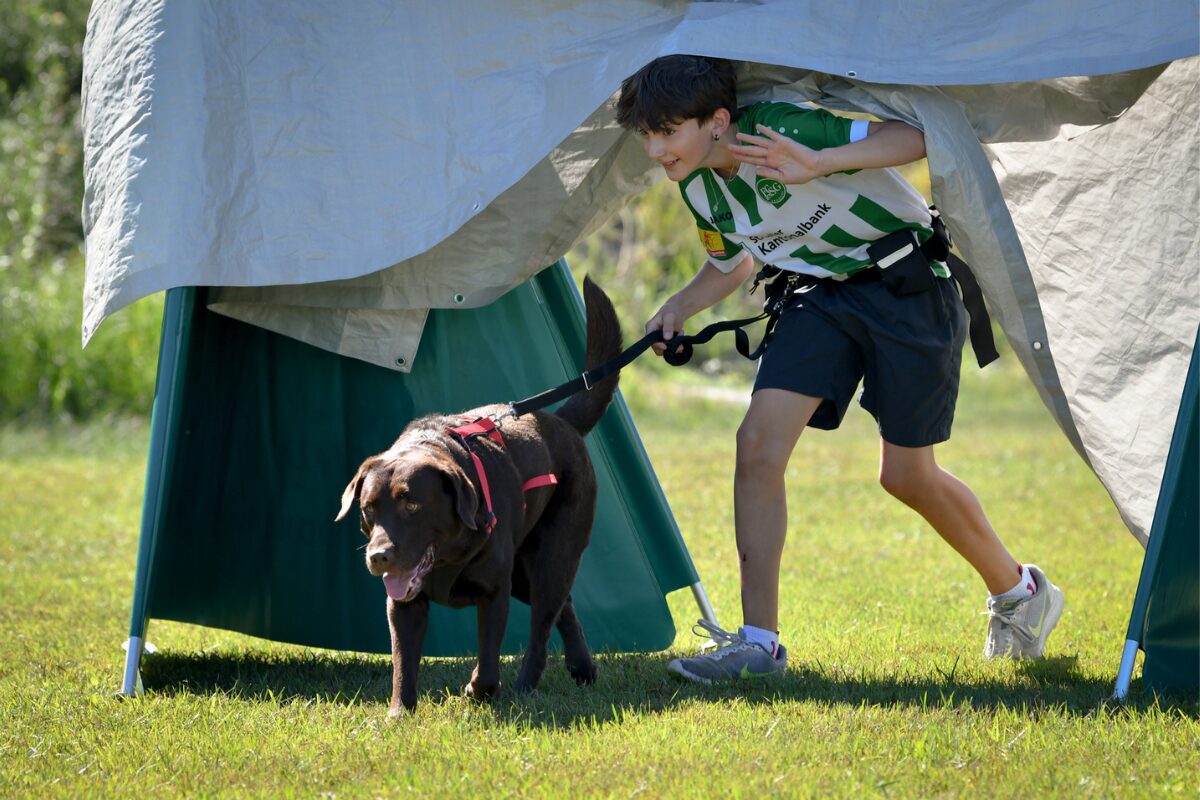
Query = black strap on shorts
x=937 y=248
x=980 y=329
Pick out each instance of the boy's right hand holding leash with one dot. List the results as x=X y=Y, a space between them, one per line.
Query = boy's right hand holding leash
x=669 y=320
x=709 y=287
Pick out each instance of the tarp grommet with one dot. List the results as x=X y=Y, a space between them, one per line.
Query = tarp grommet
x=459 y=298
x=400 y=361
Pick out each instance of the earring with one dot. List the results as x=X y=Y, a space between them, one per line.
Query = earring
x=716 y=136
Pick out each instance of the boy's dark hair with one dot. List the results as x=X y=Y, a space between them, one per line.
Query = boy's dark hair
x=671 y=89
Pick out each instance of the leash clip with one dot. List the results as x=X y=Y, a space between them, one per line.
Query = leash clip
x=511 y=411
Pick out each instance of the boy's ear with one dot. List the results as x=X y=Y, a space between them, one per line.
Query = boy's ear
x=720 y=121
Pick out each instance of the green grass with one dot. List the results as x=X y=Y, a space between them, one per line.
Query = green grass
x=885 y=694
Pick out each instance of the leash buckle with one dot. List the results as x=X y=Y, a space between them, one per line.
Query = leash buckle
x=587 y=381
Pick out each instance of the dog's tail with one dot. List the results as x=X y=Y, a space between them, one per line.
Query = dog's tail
x=584 y=409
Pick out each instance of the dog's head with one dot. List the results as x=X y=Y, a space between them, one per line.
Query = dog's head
x=418 y=510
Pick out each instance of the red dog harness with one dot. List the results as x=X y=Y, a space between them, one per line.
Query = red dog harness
x=486 y=427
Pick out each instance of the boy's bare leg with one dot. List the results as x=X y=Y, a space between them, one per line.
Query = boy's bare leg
x=912 y=475
x=765 y=441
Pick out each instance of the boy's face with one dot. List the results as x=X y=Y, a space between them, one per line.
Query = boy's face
x=684 y=147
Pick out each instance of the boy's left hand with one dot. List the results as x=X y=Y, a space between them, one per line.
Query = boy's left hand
x=778 y=157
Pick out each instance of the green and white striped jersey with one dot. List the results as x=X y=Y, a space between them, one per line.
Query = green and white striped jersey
x=819 y=228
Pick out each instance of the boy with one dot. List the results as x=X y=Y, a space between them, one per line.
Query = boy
x=809 y=193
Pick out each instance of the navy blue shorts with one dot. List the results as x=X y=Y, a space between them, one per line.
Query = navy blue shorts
x=906 y=351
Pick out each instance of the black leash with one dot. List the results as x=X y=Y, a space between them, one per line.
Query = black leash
x=780 y=291
x=679 y=352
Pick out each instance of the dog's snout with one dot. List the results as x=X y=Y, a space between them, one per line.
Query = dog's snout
x=379 y=559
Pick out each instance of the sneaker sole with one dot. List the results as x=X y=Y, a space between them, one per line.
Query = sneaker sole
x=679 y=671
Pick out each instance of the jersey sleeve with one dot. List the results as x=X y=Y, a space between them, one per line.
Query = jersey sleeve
x=811 y=127
x=723 y=253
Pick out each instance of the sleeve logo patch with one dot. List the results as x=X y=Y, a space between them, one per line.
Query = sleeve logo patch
x=712 y=242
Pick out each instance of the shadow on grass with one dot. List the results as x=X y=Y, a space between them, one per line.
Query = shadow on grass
x=633 y=685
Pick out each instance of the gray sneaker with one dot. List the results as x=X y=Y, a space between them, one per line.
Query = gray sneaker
x=1019 y=628
x=735 y=658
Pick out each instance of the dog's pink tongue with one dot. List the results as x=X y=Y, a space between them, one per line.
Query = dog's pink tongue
x=397 y=584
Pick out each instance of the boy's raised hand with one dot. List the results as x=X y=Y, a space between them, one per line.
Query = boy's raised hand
x=777 y=156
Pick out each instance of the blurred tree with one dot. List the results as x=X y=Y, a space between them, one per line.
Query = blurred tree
x=45 y=373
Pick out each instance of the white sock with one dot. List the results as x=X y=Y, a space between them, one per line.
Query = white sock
x=768 y=640
x=1026 y=587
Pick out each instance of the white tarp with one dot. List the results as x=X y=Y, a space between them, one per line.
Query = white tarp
x=340 y=168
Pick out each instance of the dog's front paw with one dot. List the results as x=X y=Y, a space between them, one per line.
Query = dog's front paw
x=585 y=675
x=480 y=691
x=400 y=710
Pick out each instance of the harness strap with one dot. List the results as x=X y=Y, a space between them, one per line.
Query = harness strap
x=485 y=426
x=487 y=494
x=465 y=433
x=541 y=480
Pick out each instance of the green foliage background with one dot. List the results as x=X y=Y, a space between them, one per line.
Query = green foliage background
x=43 y=372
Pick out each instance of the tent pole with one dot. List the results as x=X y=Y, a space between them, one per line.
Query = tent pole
x=706 y=609
x=1125 y=673
x=177 y=316
x=1158 y=528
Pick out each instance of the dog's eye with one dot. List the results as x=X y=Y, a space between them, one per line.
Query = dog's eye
x=411 y=507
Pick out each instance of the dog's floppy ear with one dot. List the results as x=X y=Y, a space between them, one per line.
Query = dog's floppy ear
x=466 y=499
x=350 y=494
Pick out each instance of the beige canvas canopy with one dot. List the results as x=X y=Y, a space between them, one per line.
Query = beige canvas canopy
x=340 y=168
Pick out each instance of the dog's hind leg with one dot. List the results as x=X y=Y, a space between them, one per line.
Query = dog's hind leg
x=492 y=616
x=543 y=614
x=551 y=559
x=576 y=654
x=552 y=573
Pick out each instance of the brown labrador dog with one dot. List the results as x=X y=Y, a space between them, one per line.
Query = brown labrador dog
x=474 y=516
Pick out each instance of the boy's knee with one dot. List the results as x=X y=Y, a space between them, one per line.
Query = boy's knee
x=759 y=454
x=906 y=485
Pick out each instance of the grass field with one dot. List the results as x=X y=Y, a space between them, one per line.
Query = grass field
x=885 y=694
